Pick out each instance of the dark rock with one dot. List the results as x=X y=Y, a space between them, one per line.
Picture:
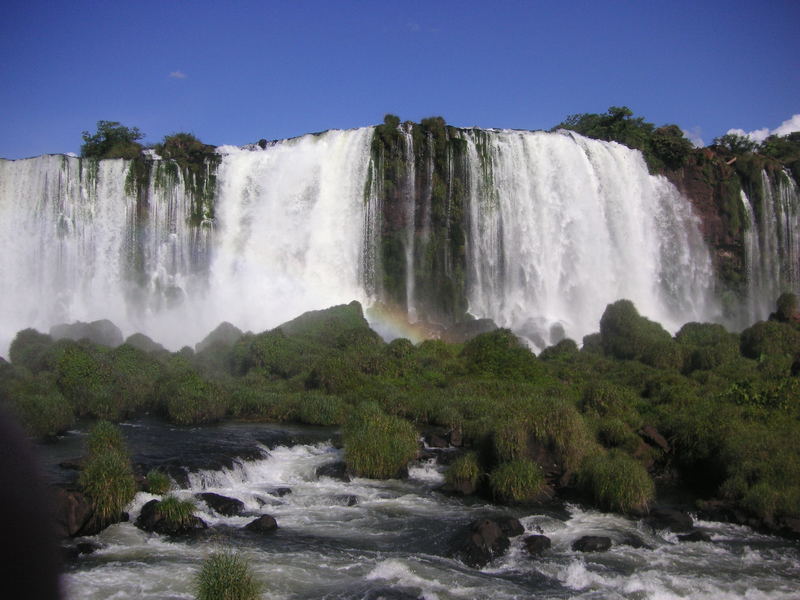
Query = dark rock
x=151 y=519
x=263 y=524
x=71 y=465
x=434 y=440
x=87 y=547
x=537 y=544
x=225 y=335
x=141 y=342
x=73 y=510
x=461 y=487
x=633 y=540
x=592 y=543
x=280 y=492
x=466 y=330
x=669 y=518
x=651 y=435
x=455 y=438
x=790 y=527
x=479 y=543
x=510 y=526
x=337 y=470
x=102 y=332
x=229 y=507
x=695 y=536
x=262 y=143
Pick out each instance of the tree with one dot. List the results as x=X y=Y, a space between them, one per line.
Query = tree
x=736 y=144
x=112 y=140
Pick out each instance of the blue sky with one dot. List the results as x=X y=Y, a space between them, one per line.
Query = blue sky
x=233 y=72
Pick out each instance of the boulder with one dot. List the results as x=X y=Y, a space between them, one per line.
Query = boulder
x=263 y=524
x=151 y=519
x=695 y=536
x=509 y=525
x=592 y=543
x=102 y=332
x=345 y=499
x=229 y=507
x=336 y=470
x=280 y=492
x=651 y=435
x=479 y=543
x=669 y=518
x=537 y=544
x=73 y=511
x=633 y=540
x=434 y=440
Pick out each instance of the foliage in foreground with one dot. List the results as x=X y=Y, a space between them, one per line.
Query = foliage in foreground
x=107 y=476
x=226 y=576
x=378 y=445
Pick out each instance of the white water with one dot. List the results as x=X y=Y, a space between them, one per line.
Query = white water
x=396 y=537
x=562 y=225
x=287 y=238
x=772 y=246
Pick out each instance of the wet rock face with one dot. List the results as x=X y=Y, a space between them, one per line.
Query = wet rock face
x=537 y=544
x=229 y=507
x=479 y=543
x=263 y=524
x=592 y=543
x=151 y=519
x=669 y=518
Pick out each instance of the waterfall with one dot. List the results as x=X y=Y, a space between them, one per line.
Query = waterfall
x=562 y=225
x=537 y=231
x=772 y=244
x=79 y=243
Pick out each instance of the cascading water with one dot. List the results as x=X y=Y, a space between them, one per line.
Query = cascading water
x=772 y=244
x=287 y=237
x=561 y=225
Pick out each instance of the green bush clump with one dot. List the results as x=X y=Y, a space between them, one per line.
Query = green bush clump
x=770 y=337
x=566 y=348
x=464 y=471
x=273 y=354
x=378 y=445
x=500 y=353
x=107 y=476
x=517 y=481
x=226 y=576
x=29 y=349
x=626 y=335
x=510 y=440
x=112 y=140
x=336 y=373
x=135 y=374
x=176 y=513
x=606 y=399
x=616 y=481
x=189 y=398
x=158 y=482
x=615 y=433
x=36 y=401
x=318 y=409
x=86 y=379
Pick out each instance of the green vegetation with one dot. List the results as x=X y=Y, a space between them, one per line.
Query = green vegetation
x=226 y=576
x=464 y=471
x=378 y=445
x=616 y=481
x=112 y=140
x=517 y=481
x=176 y=514
x=107 y=476
x=158 y=482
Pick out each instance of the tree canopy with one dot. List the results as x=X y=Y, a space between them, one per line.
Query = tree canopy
x=112 y=140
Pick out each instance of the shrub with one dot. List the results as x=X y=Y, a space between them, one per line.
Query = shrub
x=336 y=373
x=510 y=440
x=517 y=481
x=786 y=307
x=707 y=346
x=563 y=349
x=464 y=470
x=378 y=445
x=135 y=374
x=107 y=477
x=317 y=409
x=158 y=482
x=615 y=481
x=85 y=377
x=627 y=335
x=29 y=349
x=189 y=398
x=769 y=337
x=37 y=403
x=500 y=353
x=226 y=576
x=177 y=514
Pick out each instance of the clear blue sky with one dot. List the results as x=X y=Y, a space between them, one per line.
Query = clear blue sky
x=233 y=72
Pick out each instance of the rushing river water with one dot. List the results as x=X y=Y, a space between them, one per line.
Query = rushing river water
x=371 y=539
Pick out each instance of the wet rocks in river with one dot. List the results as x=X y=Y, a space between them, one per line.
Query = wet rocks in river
x=263 y=524
x=537 y=544
x=336 y=470
x=151 y=519
x=479 y=543
x=592 y=543
x=669 y=518
x=229 y=507
x=695 y=536
x=280 y=492
x=75 y=516
x=510 y=525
